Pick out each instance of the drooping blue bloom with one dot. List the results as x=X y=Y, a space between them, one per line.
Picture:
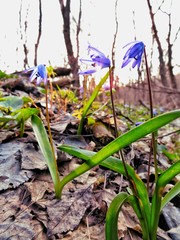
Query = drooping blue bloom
x=134 y=53
x=39 y=73
x=96 y=59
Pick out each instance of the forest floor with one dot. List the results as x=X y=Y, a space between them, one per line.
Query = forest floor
x=28 y=206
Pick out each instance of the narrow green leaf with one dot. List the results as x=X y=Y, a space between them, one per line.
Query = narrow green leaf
x=163 y=180
x=91 y=100
x=111 y=227
x=44 y=144
x=170 y=195
x=134 y=202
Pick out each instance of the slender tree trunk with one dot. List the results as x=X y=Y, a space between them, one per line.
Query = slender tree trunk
x=39 y=33
x=169 y=53
x=23 y=34
x=73 y=60
x=162 y=66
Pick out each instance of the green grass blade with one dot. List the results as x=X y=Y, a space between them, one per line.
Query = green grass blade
x=111 y=227
x=91 y=100
x=163 y=180
x=44 y=144
x=170 y=195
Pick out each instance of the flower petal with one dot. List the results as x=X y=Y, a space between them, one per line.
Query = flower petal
x=134 y=53
x=97 y=59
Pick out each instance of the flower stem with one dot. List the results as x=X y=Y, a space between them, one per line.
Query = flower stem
x=120 y=152
x=151 y=114
x=48 y=122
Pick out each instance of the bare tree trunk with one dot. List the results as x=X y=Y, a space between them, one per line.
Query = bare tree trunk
x=169 y=53
x=24 y=36
x=39 y=33
x=73 y=60
x=162 y=66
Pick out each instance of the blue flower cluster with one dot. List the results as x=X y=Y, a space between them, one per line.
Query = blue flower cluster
x=97 y=60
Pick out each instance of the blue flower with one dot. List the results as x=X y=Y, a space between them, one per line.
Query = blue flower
x=97 y=59
x=39 y=73
x=134 y=53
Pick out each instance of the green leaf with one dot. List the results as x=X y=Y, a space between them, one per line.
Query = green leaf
x=162 y=181
x=46 y=149
x=24 y=114
x=7 y=119
x=111 y=227
x=91 y=100
x=12 y=102
x=170 y=195
x=172 y=156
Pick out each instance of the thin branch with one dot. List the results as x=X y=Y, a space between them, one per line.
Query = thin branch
x=39 y=33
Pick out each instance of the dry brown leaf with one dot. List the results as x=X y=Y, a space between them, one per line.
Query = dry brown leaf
x=32 y=159
x=11 y=174
x=37 y=190
x=66 y=214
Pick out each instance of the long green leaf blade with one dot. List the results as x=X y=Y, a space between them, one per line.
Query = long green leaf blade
x=170 y=195
x=163 y=180
x=44 y=144
x=111 y=227
x=91 y=100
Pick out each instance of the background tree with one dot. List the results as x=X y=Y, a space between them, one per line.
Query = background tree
x=39 y=33
x=72 y=58
x=170 y=51
x=162 y=65
x=23 y=34
x=165 y=67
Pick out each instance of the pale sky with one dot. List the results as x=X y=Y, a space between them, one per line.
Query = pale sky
x=98 y=26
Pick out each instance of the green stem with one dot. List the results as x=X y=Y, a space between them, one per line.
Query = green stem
x=151 y=114
x=48 y=122
x=57 y=189
x=120 y=152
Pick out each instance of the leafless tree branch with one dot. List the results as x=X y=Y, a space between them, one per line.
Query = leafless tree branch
x=39 y=32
